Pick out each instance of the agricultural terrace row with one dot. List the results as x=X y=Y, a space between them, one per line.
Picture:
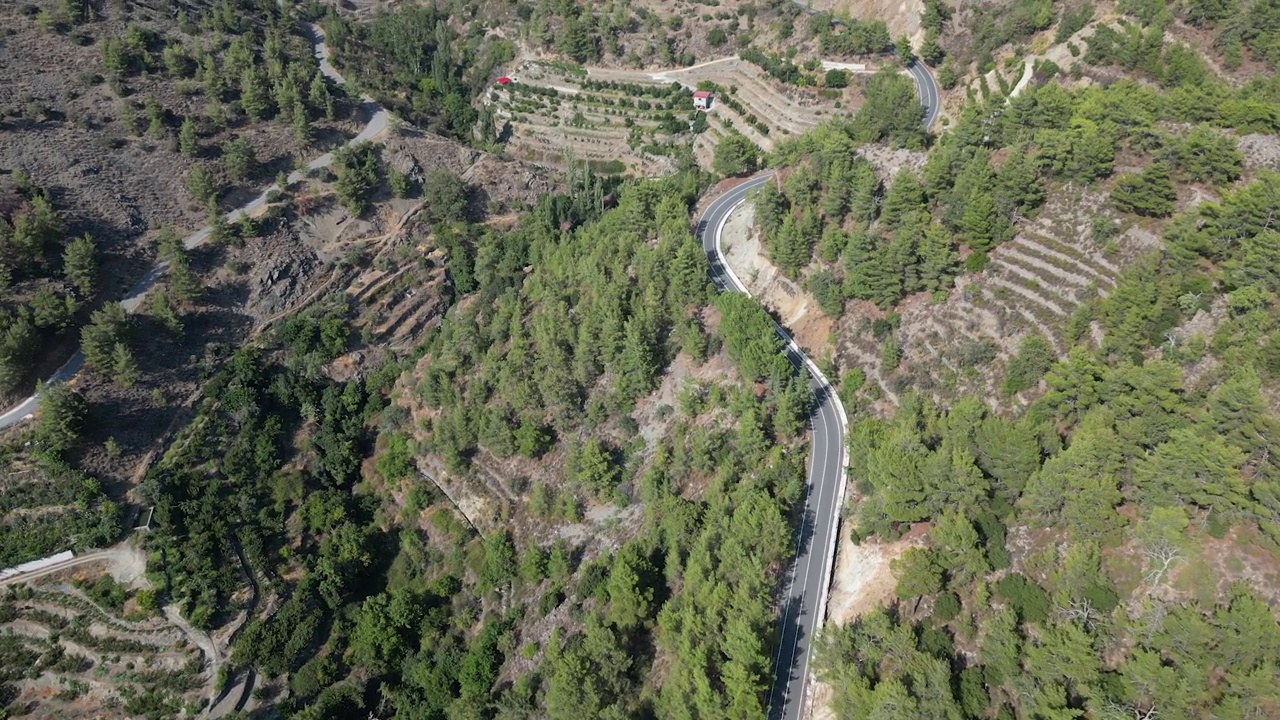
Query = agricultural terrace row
x=619 y=119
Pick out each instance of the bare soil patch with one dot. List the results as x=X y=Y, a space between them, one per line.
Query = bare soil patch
x=795 y=307
x=863 y=581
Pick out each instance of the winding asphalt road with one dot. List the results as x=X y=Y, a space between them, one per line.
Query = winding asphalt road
x=378 y=118
x=803 y=603
x=926 y=86
x=808 y=582
x=927 y=89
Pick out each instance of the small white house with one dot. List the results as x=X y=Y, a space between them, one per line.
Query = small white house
x=702 y=100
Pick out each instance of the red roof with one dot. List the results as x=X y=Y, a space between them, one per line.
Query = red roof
x=702 y=94
x=504 y=80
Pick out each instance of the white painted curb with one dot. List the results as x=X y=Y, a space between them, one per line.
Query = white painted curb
x=829 y=561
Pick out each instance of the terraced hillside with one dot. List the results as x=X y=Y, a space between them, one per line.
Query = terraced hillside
x=556 y=113
x=1033 y=285
x=81 y=649
x=633 y=118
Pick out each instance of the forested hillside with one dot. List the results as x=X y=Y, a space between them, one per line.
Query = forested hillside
x=416 y=608
x=1110 y=550
x=164 y=118
x=494 y=448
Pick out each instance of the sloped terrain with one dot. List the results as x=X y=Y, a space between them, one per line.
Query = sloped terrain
x=77 y=643
x=1033 y=284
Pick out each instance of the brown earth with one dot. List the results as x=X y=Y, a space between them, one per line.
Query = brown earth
x=64 y=125
x=902 y=16
x=794 y=307
x=863 y=580
x=299 y=259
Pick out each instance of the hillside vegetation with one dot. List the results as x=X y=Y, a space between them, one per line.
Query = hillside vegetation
x=1109 y=549
x=463 y=438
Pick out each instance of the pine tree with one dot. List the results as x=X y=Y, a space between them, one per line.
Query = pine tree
x=957 y=542
x=593 y=467
x=905 y=195
x=239 y=158
x=693 y=340
x=903 y=47
x=124 y=369
x=202 y=185
x=978 y=224
x=183 y=281
x=791 y=247
x=735 y=155
x=98 y=339
x=289 y=100
x=1237 y=412
x=188 y=140
x=32 y=231
x=486 y=127
x=18 y=338
x=163 y=309
x=771 y=207
x=1207 y=154
x=254 y=100
x=918 y=573
x=630 y=598
x=1018 y=185
x=1150 y=193
x=861 y=266
x=864 y=194
x=896 y=270
x=320 y=98
x=832 y=243
x=211 y=75
x=637 y=363
x=931 y=51
x=80 y=265
x=302 y=130
x=793 y=403
x=937 y=260
x=575 y=40
x=1078 y=488
x=155 y=116
x=61 y=415
x=398 y=182
x=1257 y=261
x=1193 y=467
x=688 y=274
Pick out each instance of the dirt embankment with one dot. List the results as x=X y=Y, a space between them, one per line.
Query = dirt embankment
x=795 y=308
x=902 y=16
x=862 y=582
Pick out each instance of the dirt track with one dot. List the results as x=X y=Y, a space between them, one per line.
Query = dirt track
x=124 y=562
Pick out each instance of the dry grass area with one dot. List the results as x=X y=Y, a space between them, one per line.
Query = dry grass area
x=65 y=126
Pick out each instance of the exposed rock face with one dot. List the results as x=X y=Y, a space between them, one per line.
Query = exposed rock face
x=282 y=281
x=503 y=184
x=407 y=165
x=902 y=16
x=1261 y=152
